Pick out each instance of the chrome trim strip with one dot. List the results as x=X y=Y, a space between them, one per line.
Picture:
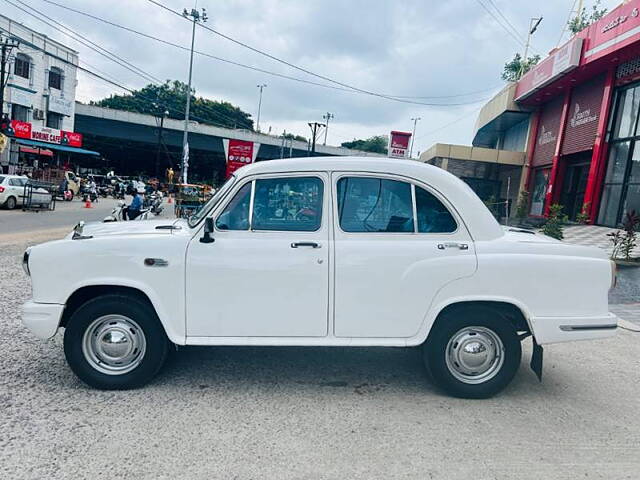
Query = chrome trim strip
x=603 y=326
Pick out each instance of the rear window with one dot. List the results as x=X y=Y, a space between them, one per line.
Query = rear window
x=2 y=179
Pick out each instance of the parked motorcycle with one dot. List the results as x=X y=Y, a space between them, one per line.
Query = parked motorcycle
x=154 y=202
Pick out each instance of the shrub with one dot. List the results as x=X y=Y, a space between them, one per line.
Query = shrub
x=626 y=240
x=555 y=221
x=583 y=216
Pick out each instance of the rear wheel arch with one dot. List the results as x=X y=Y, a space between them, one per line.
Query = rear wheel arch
x=509 y=311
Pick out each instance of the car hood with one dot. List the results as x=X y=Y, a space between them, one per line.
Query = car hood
x=134 y=227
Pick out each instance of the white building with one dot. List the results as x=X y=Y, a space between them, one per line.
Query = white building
x=41 y=80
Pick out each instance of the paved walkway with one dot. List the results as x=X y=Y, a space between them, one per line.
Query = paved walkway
x=593 y=236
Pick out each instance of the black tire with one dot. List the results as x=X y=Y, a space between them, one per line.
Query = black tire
x=11 y=203
x=148 y=364
x=451 y=324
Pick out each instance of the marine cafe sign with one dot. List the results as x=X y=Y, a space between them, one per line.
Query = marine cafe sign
x=44 y=134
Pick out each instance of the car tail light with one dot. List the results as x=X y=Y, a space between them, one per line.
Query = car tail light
x=1 y=189
x=614 y=274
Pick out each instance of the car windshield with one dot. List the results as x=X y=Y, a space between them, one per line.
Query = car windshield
x=206 y=208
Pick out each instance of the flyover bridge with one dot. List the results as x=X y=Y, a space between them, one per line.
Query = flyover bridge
x=133 y=143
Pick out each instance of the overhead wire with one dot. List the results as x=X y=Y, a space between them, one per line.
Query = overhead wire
x=258 y=69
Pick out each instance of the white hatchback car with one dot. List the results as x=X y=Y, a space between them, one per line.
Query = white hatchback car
x=320 y=252
x=12 y=192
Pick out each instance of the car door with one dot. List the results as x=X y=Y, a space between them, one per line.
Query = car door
x=266 y=274
x=396 y=244
x=16 y=187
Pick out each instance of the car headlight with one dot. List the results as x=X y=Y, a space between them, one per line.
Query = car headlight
x=25 y=261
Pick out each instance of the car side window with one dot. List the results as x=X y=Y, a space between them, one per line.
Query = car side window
x=17 y=182
x=433 y=216
x=235 y=215
x=292 y=204
x=374 y=205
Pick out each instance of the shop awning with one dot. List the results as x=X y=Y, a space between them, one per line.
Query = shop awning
x=53 y=146
x=37 y=151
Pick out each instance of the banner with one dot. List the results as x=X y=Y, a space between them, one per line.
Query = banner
x=239 y=153
x=44 y=134
x=399 y=144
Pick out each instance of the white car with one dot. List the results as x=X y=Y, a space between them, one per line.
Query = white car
x=12 y=193
x=342 y=252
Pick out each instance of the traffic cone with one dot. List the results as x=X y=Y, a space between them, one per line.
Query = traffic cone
x=170 y=200
x=87 y=204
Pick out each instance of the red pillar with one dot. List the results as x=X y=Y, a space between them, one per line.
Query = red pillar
x=554 y=176
x=598 y=166
x=531 y=147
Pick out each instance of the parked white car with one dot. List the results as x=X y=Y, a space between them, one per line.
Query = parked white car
x=320 y=252
x=12 y=192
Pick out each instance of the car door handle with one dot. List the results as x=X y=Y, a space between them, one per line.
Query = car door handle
x=459 y=246
x=305 y=244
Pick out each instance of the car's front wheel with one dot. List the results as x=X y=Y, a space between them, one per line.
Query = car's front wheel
x=472 y=353
x=115 y=342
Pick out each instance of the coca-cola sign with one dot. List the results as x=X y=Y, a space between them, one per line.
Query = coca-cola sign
x=44 y=134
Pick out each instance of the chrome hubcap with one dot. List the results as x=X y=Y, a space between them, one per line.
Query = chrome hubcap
x=474 y=355
x=114 y=344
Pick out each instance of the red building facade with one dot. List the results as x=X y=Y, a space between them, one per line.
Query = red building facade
x=584 y=140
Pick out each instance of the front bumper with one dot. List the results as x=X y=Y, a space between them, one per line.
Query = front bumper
x=42 y=319
x=568 y=329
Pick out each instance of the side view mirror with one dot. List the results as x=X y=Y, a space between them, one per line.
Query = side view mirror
x=208 y=230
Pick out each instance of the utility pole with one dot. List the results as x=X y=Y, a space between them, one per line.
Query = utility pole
x=413 y=135
x=326 y=117
x=7 y=44
x=196 y=17
x=314 y=133
x=261 y=86
x=533 y=26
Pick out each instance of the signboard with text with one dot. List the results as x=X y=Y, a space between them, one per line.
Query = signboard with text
x=44 y=134
x=239 y=153
x=563 y=60
x=399 y=144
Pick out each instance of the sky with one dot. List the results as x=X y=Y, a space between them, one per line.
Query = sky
x=448 y=54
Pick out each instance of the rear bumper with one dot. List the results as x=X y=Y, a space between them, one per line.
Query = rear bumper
x=42 y=318
x=568 y=329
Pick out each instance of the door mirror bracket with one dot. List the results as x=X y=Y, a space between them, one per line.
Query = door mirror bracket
x=208 y=230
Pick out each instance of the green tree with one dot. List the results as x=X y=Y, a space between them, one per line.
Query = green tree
x=515 y=68
x=291 y=136
x=172 y=97
x=376 y=144
x=583 y=19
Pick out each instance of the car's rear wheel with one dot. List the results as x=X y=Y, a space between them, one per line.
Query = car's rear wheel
x=11 y=203
x=115 y=342
x=472 y=352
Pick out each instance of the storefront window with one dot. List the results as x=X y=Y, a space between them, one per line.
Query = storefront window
x=539 y=191
x=621 y=191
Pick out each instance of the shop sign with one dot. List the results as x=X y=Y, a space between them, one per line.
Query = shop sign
x=239 y=153
x=60 y=105
x=44 y=134
x=21 y=97
x=546 y=137
x=581 y=117
x=563 y=60
x=398 y=144
x=614 y=31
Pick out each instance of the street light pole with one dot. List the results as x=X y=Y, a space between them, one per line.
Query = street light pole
x=413 y=135
x=261 y=86
x=533 y=26
x=326 y=117
x=196 y=17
